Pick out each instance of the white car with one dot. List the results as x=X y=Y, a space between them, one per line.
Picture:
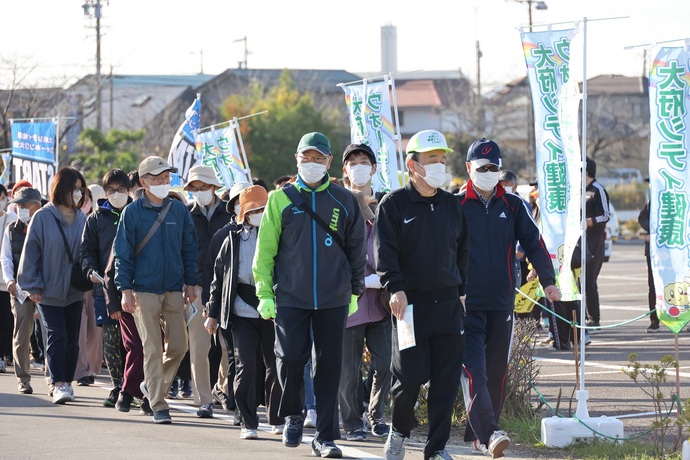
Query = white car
x=612 y=224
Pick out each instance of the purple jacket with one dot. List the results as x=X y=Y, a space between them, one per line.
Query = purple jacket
x=370 y=309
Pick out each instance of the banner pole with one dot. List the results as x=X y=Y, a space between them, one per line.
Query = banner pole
x=240 y=141
x=402 y=166
x=57 y=142
x=583 y=204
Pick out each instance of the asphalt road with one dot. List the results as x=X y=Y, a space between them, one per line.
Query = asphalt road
x=33 y=427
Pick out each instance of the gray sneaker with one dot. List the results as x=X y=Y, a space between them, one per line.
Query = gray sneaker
x=498 y=442
x=441 y=455
x=394 y=449
x=162 y=417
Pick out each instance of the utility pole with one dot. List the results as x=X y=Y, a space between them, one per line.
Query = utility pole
x=97 y=7
x=530 y=110
x=243 y=64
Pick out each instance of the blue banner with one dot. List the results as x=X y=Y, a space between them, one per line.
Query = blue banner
x=34 y=141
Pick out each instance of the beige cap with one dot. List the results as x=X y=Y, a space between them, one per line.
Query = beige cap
x=202 y=173
x=154 y=165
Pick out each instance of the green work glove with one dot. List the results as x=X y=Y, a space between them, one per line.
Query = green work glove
x=352 y=308
x=267 y=308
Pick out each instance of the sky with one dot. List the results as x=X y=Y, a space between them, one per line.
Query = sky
x=161 y=37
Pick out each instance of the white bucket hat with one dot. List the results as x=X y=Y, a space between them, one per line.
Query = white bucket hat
x=203 y=173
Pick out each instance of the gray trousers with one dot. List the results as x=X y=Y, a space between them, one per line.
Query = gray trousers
x=378 y=339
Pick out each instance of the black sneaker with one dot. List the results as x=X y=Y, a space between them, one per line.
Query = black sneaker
x=145 y=407
x=124 y=402
x=205 y=411
x=112 y=398
x=379 y=428
x=83 y=382
x=325 y=449
x=356 y=435
x=292 y=433
x=162 y=417
x=220 y=397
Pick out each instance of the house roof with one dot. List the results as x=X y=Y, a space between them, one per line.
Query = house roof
x=309 y=80
x=417 y=93
x=617 y=84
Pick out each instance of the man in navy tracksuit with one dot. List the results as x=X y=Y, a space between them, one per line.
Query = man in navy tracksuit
x=420 y=249
x=496 y=220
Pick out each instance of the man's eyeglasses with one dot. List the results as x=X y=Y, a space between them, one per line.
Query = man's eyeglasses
x=158 y=180
x=203 y=188
x=316 y=159
x=111 y=190
x=489 y=167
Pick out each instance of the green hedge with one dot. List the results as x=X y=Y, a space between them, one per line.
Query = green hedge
x=628 y=196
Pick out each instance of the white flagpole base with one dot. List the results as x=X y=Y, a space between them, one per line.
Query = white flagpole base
x=686 y=450
x=561 y=432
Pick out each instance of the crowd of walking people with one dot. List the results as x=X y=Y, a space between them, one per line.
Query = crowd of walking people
x=255 y=297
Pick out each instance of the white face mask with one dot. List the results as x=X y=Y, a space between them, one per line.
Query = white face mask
x=485 y=181
x=203 y=197
x=76 y=196
x=311 y=172
x=360 y=175
x=237 y=209
x=118 y=200
x=3 y=205
x=160 y=191
x=435 y=174
x=24 y=215
x=255 y=219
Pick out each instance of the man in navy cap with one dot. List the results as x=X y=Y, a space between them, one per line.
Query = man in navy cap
x=496 y=220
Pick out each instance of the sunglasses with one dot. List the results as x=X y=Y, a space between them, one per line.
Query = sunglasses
x=489 y=167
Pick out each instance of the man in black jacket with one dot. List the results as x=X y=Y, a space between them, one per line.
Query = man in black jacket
x=597 y=213
x=420 y=247
x=209 y=215
x=496 y=221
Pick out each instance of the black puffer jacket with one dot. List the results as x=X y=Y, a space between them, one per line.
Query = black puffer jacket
x=97 y=240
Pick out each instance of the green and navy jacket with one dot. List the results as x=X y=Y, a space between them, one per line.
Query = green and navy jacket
x=297 y=262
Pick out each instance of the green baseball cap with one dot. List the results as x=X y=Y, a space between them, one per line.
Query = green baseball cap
x=315 y=141
x=426 y=141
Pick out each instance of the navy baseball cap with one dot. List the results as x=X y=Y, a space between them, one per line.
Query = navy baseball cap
x=484 y=149
x=359 y=148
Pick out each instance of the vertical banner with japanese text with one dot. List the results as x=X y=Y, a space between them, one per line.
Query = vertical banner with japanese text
x=371 y=123
x=669 y=177
x=33 y=153
x=220 y=150
x=183 y=150
x=556 y=101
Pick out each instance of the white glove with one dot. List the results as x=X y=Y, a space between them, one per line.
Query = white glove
x=372 y=281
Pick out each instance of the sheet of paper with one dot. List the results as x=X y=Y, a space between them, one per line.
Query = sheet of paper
x=189 y=312
x=21 y=295
x=405 y=328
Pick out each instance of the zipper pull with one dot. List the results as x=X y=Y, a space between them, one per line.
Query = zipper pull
x=432 y=206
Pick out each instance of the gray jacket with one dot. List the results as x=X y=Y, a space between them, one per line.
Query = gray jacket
x=44 y=266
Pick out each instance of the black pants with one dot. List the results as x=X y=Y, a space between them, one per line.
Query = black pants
x=6 y=325
x=293 y=346
x=436 y=358
x=595 y=243
x=651 y=294
x=252 y=337
x=488 y=336
x=62 y=328
x=563 y=332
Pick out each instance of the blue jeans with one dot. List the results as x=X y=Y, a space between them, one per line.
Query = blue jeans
x=62 y=330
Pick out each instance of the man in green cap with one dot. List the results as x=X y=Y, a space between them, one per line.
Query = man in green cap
x=309 y=271
x=420 y=248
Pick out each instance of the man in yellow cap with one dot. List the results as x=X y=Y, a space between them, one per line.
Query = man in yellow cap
x=420 y=247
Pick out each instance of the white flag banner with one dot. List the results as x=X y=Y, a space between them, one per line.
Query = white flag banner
x=371 y=123
x=669 y=177
x=220 y=150
x=556 y=101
